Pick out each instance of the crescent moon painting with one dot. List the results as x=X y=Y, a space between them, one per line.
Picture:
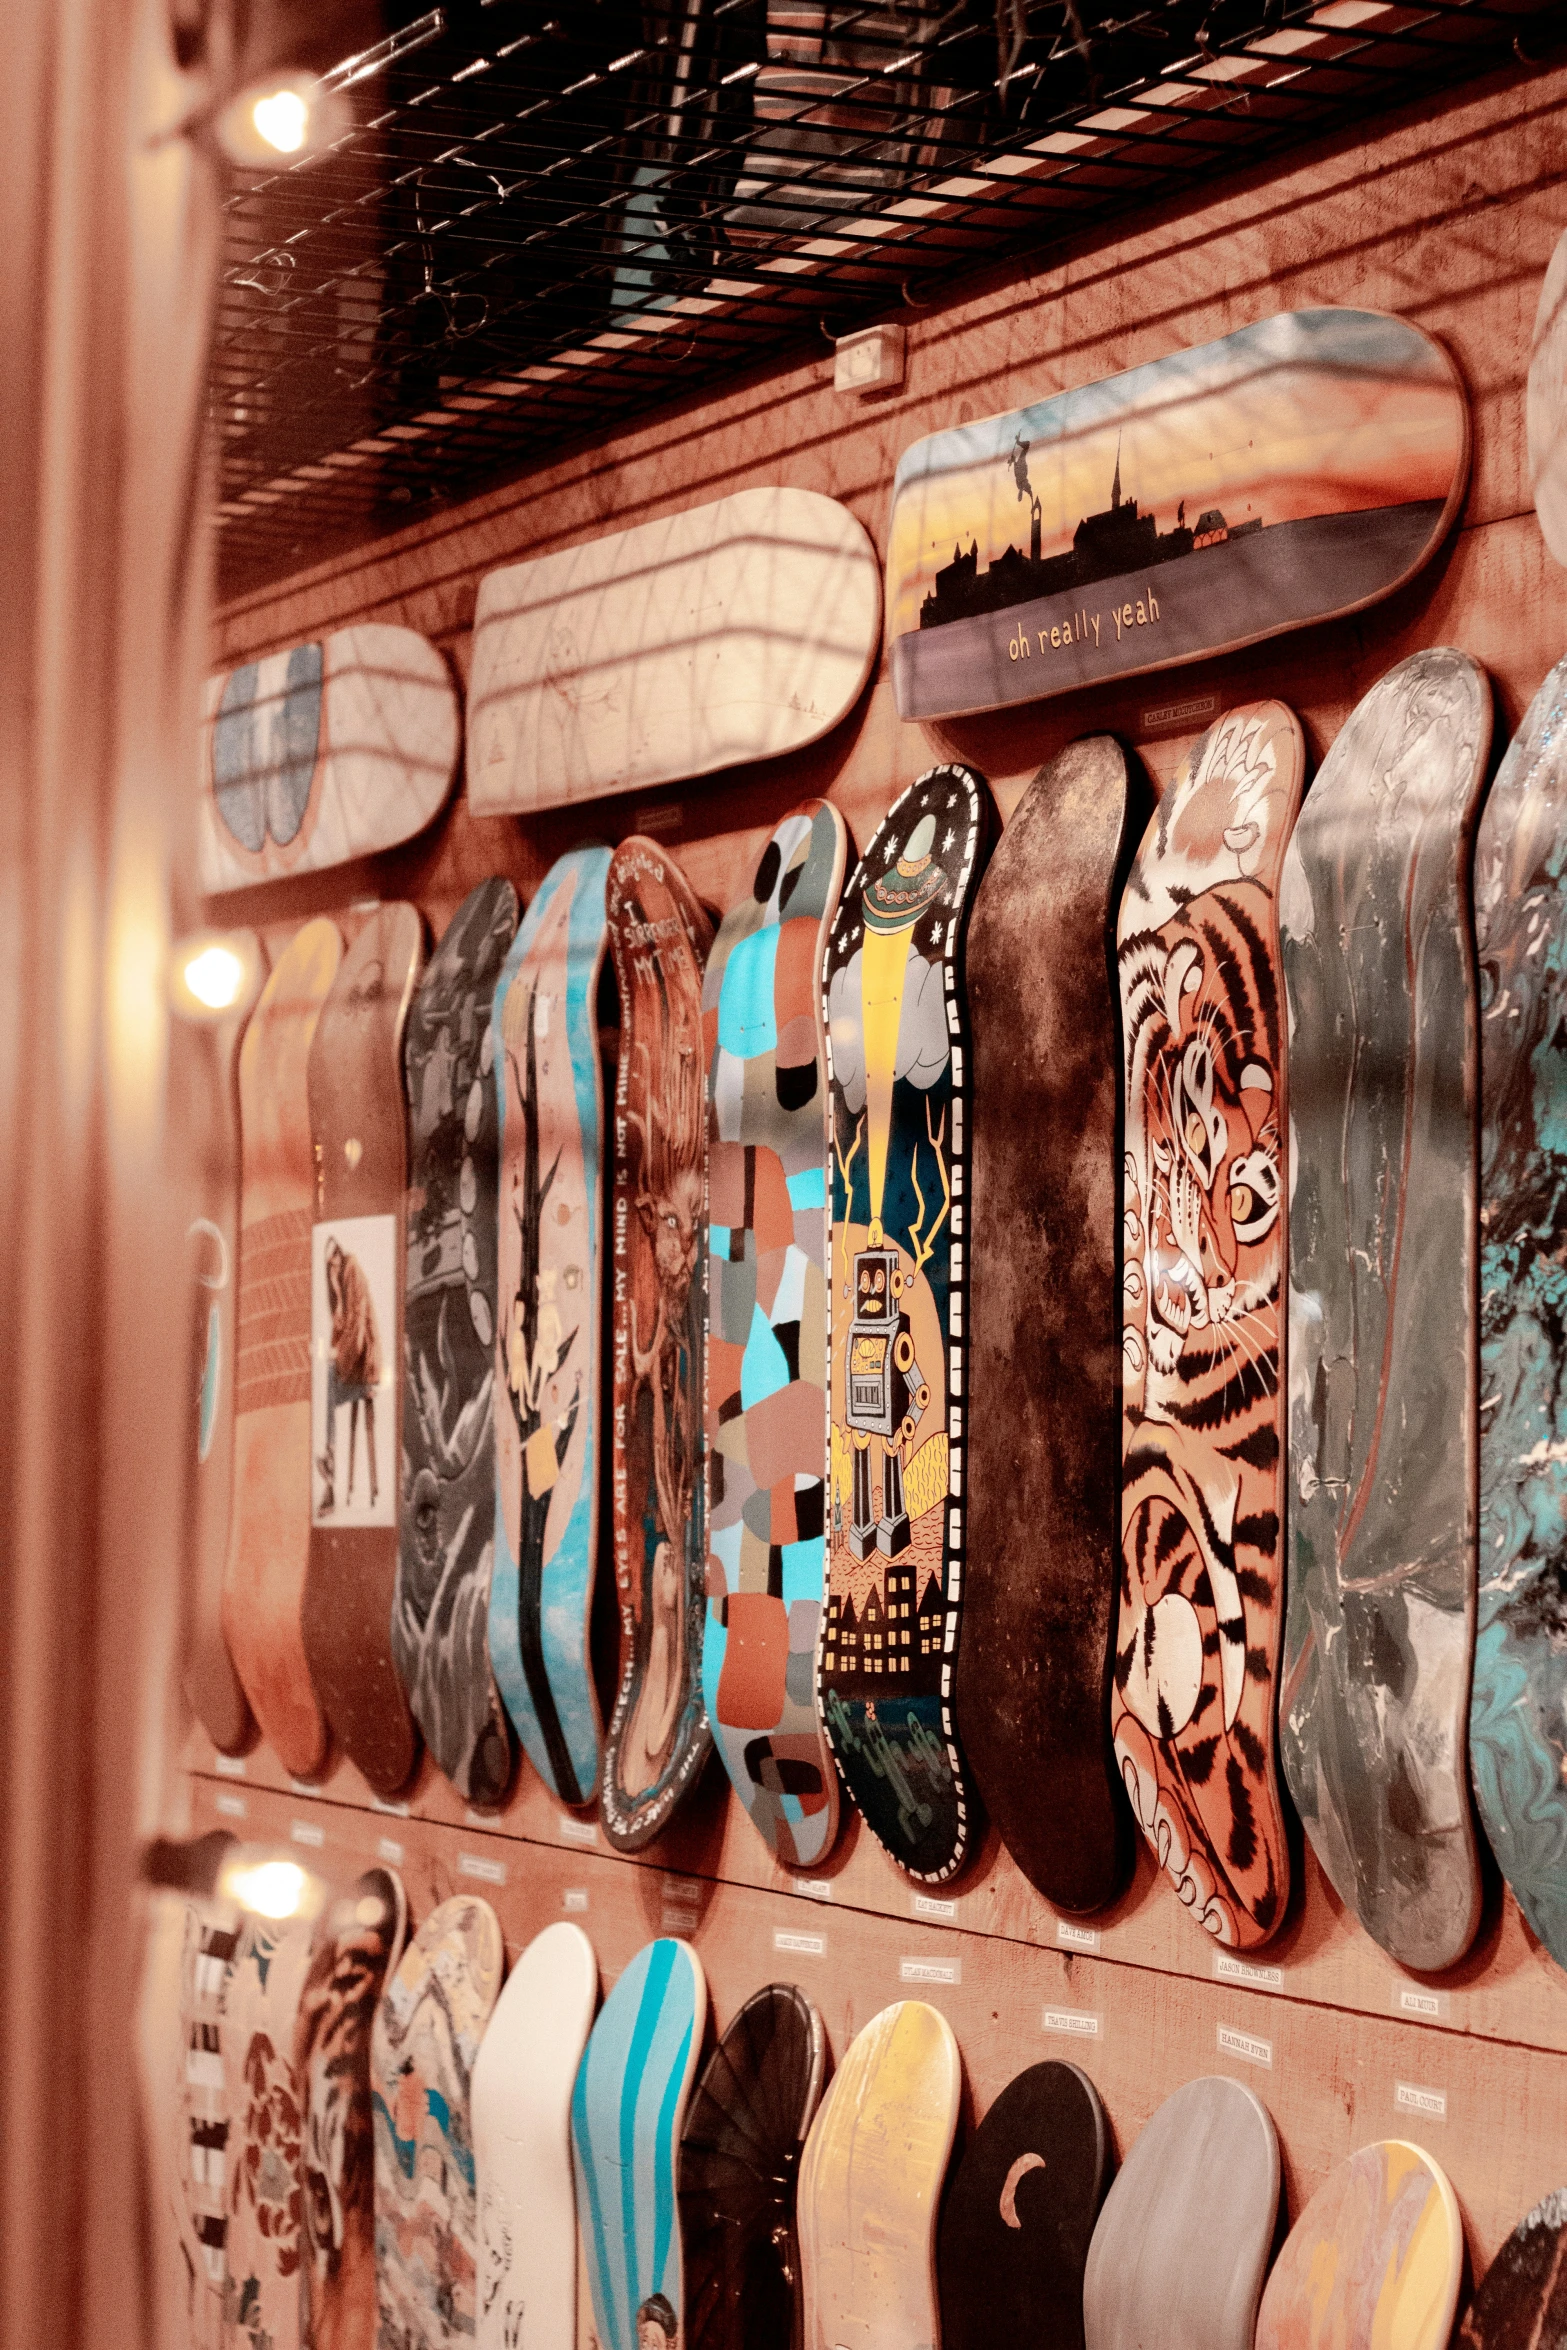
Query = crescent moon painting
x=1014 y=2179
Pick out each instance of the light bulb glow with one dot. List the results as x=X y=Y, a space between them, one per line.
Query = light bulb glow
x=283 y=120
x=215 y=976
x=272 y=1888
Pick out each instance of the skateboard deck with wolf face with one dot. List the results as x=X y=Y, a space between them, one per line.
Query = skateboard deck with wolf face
x=897 y=1038
x=549 y=1090
x=1044 y=1332
x=359 y=1124
x=1376 y=2257
x=767 y=1336
x=1201 y=1598
x=262 y=2090
x=1522 y=2302
x=1379 y=965
x=446 y=1528
x=659 y=1737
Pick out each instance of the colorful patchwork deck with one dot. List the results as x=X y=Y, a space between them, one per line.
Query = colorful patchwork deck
x=1376 y=2257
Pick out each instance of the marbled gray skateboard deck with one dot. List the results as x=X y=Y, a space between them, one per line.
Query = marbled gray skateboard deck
x=1379 y=968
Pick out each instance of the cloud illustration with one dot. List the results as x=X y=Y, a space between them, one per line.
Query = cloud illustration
x=922 y=1028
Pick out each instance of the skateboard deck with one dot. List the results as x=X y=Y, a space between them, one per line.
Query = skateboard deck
x=739 y=2161
x=426 y=2036
x=627 y=2110
x=731 y=632
x=1182 y=2244
x=1201 y=1596
x=358 y=1119
x=357 y=1944
x=1044 y=1324
x=1376 y=2257
x=549 y=1087
x=1545 y=406
x=1518 y=1704
x=262 y=2092
x=870 y=2184
x=897 y=1036
x=269 y=1522
x=161 y=2031
x=522 y=2085
x=211 y=1938
x=322 y=753
x=767 y=1336
x=446 y=1487
x=1379 y=966
x=1019 y=2215
x=1522 y=2301
x=659 y=1736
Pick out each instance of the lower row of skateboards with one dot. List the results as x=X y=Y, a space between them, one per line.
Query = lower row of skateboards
x=911 y=1157
x=376 y=2141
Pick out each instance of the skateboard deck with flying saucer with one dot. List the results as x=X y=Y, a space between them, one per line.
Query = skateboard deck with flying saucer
x=1522 y=2300
x=358 y=1120
x=627 y=2111
x=1019 y=2215
x=446 y=1519
x=212 y=1932
x=870 y=2184
x=766 y=1373
x=262 y=2091
x=269 y=1524
x=659 y=1736
x=1377 y=2256
x=549 y=1089
x=428 y=2027
x=1379 y=966
x=739 y=2162
x=1044 y=1331
x=522 y=2085
x=1181 y=2247
x=897 y=1038
x=1201 y=1600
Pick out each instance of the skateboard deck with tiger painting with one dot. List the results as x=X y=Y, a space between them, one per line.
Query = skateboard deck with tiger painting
x=897 y=1034
x=1383 y=1237
x=446 y=1519
x=1201 y=1570
x=1044 y=1329
x=659 y=1736
x=262 y=2091
x=359 y=1123
x=767 y=1336
x=549 y=1090
x=1522 y=2300
x=269 y=1522
x=212 y=1931
x=1377 y=2256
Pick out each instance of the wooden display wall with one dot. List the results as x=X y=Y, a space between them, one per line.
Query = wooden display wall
x=1449 y=221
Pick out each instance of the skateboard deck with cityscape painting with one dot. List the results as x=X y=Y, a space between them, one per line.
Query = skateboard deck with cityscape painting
x=522 y=2087
x=426 y=2036
x=767 y=1336
x=446 y=1518
x=1377 y=2256
x=262 y=2091
x=1522 y=2301
x=1383 y=1236
x=1201 y=1598
x=739 y=2163
x=897 y=1032
x=1044 y=1330
x=211 y=1938
x=1182 y=2244
x=870 y=2184
x=659 y=1737
x=549 y=1089
x=269 y=1522
x=627 y=2111
x=323 y=753
x=1019 y=2215
x=1545 y=407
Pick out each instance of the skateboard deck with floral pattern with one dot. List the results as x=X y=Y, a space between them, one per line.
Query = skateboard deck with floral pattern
x=262 y=2091
x=1377 y=2256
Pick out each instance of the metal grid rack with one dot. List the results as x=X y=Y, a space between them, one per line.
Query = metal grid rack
x=545 y=218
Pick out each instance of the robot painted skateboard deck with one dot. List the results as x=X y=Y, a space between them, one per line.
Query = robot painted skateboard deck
x=446 y=1525
x=207 y=1961
x=1182 y=2244
x=1545 y=407
x=1019 y=2215
x=358 y=1119
x=269 y=1526
x=627 y=2111
x=1379 y=965
x=767 y=1336
x=549 y=1088
x=1522 y=2303
x=897 y=1035
x=522 y=2085
x=427 y=2031
x=1201 y=1598
x=739 y=2162
x=262 y=2091
x=1044 y=1331
x=870 y=2184
x=1376 y=2257
x=659 y=1736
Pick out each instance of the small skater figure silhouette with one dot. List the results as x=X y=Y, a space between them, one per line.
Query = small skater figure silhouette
x=353 y=1370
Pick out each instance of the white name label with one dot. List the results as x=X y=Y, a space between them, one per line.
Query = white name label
x=574 y=1897
x=930 y=1970
x=229 y=1766
x=927 y=1906
x=1230 y=1969
x=799 y=1945
x=1076 y=2023
x=1246 y=2046
x=572 y=1831
x=1073 y=1937
x=474 y=1864
x=306 y=1832
x=1426 y=2007
x=816 y=1888
x=231 y=1806
x=1430 y=2104
x=390 y=1851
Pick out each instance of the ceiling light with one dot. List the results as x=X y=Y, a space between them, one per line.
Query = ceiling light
x=271 y=1888
x=280 y=118
x=214 y=974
